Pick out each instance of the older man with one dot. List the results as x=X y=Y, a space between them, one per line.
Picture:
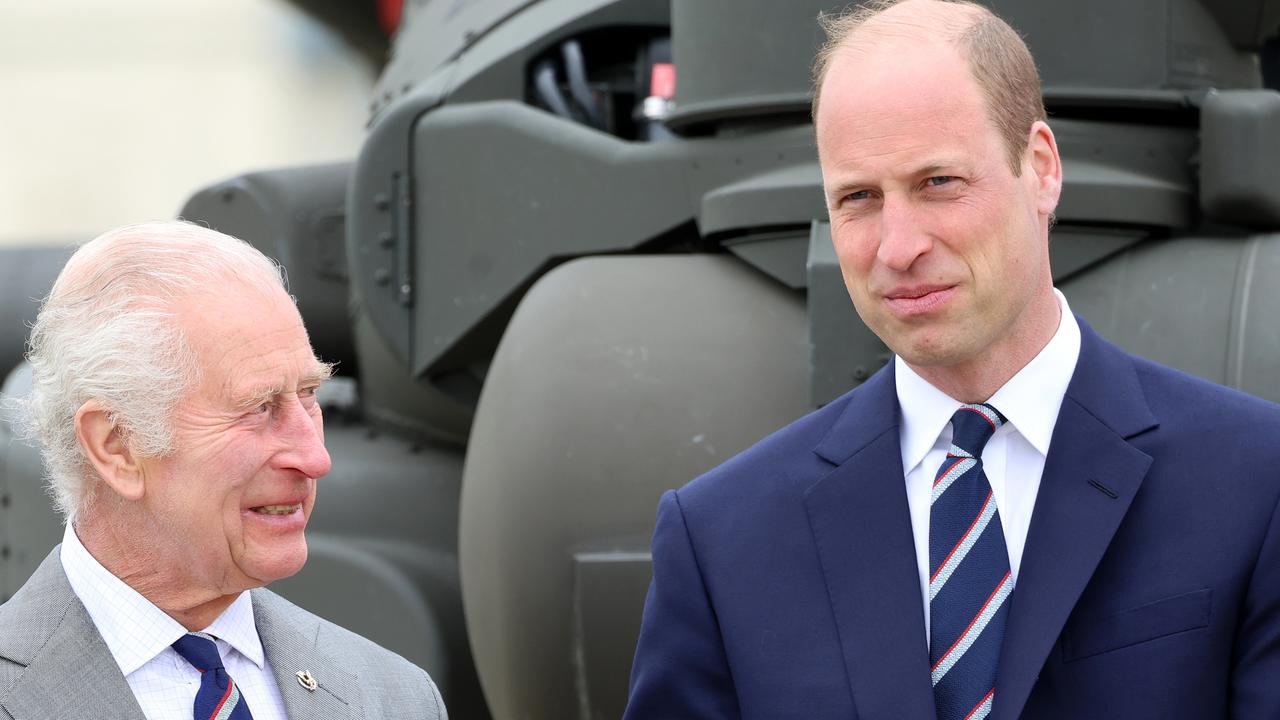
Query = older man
x=1012 y=519
x=174 y=396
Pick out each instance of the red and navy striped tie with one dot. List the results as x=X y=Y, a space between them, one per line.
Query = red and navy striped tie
x=969 y=578
x=218 y=697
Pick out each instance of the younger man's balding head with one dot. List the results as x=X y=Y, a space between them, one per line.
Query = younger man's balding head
x=998 y=59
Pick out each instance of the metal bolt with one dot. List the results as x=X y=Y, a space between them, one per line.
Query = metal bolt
x=382 y=276
x=387 y=240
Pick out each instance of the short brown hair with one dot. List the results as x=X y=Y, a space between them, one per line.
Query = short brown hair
x=998 y=59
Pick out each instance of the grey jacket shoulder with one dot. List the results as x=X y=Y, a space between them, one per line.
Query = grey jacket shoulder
x=391 y=686
x=30 y=617
x=47 y=639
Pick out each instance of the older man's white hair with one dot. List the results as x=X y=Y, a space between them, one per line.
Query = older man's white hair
x=108 y=332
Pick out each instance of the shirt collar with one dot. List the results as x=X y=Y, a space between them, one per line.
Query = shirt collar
x=236 y=626
x=134 y=629
x=1030 y=399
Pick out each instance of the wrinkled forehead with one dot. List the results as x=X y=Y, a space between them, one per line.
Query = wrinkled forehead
x=246 y=331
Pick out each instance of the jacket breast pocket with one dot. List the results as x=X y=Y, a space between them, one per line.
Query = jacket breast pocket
x=1086 y=637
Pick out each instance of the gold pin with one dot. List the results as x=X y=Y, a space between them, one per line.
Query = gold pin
x=306 y=681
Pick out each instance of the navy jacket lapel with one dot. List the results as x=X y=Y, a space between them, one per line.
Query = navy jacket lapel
x=1091 y=475
x=862 y=528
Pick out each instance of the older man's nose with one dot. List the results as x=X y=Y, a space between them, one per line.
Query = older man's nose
x=301 y=433
x=902 y=239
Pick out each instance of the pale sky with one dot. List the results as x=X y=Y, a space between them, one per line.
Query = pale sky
x=114 y=112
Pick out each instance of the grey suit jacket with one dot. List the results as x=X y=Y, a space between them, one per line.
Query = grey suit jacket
x=54 y=664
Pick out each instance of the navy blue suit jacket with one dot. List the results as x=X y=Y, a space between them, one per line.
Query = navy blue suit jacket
x=785 y=582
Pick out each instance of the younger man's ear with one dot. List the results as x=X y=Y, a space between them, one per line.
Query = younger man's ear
x=1046 y=164
x=107 y=450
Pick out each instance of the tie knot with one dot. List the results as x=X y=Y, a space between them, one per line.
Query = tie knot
x=973 y=425
x=199 y=650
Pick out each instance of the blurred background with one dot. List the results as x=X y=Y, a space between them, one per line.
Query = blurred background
x=113 y=112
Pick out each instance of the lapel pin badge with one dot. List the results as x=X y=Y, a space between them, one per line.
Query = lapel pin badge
x=306 y=681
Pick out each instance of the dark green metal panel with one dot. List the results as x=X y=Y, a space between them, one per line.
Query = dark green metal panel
x=741 y=59
x=298 y=217
x=26 y=275
x=504 y=190
x=432 y=34
x=379 y=212
x=842 y=350
x=1205 y=305
x=608 y=598
x=781 y=255
x=1126 y=174
x=1240 y=146
x=619 y=377
x=1091 y=46
x=780 y=195
x=29 y=527
x=496 y=67
x=1248 y=23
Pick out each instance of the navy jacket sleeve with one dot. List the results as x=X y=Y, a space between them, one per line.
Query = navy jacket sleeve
x=680 y=668
x=1255 y=677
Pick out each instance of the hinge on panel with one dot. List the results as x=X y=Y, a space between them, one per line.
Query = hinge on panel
x=403 y=219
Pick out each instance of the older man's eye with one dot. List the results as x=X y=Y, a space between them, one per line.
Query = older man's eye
x=858 y=195
x=937 y=180
x=261 y=409
x=307 y=396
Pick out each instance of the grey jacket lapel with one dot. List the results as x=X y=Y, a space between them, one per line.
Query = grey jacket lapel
x=69 y=672
x=289 y=639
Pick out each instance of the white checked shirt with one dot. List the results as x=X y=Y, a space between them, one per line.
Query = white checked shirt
x=139 y=634
x=1013 y=459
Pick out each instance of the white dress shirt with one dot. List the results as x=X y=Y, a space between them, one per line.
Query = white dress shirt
x=139 y=634
x=1013 y=459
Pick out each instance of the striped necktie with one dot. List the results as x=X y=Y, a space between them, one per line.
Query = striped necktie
x=969 y=578
x=218 y=697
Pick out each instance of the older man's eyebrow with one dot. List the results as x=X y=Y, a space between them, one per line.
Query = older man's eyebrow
x=319 y=373
x=258 y=395
x=265 y=393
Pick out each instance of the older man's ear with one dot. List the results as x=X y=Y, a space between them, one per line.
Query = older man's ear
x=108 y=451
